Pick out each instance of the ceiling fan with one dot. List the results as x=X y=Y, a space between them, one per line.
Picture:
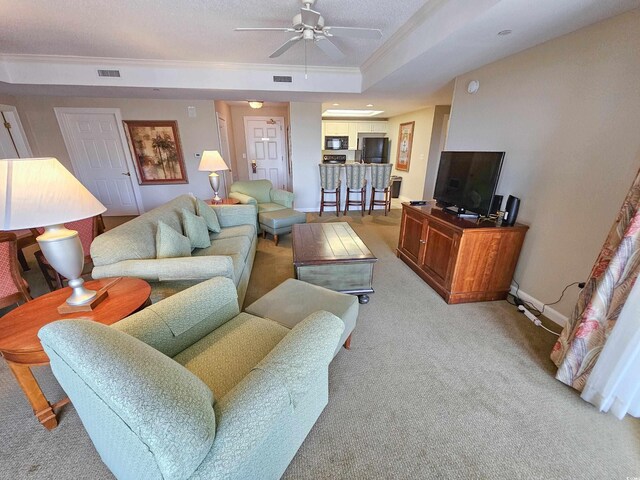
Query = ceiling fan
x=309 y=25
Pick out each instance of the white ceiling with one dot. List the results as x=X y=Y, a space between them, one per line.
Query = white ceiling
x=198 y=30
x=171 y=49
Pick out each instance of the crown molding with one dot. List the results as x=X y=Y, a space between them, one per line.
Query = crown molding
x=173 y=64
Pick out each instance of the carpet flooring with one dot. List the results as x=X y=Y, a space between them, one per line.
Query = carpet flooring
x=428 y=390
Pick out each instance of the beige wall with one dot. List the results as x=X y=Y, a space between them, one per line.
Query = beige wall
x=237 y=114
x=438 y=135
x=224 y=111
x=413 y=180
x=567 y=114
x=7 y=99
x=196 y=134
x=306 y=133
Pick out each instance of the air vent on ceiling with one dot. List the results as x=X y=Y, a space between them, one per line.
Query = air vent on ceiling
x=108 y=73
x=282 y=79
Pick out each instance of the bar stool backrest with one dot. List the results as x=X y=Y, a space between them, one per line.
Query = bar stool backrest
x=355 y=176
x=381 y=175
x=329 y=176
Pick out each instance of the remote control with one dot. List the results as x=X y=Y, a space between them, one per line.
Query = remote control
x=417 y=202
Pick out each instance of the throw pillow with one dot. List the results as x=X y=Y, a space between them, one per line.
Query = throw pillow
x=195 y=228
x=170 y=244
x=209 y=214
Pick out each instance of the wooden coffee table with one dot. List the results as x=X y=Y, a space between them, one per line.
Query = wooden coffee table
x=21 y=348
x=333 y=256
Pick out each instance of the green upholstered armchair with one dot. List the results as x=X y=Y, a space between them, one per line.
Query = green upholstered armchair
x=262 y=194
x=189 y=388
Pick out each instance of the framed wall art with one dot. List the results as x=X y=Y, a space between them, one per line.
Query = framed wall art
x=156 y=150
x=405 y=143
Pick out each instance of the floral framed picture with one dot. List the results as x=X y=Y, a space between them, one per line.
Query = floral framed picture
x=156 y=150
x=405 y=142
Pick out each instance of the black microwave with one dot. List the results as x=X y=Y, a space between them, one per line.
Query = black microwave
x=336 y=143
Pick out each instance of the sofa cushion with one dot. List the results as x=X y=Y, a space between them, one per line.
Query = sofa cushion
x=195 y=228
x=168 y=408
x=237 y=248
x=248 y=231
x=170 y=244
x=269 y=207
x=206 y=212
x=135 y=239
x=227 y=355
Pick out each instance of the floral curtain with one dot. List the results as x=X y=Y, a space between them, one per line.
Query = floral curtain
x=601 y=301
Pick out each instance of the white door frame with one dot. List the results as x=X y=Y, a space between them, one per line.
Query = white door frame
x=225 y=155
x=65 y=128
x=24 y=143
x=285 y=154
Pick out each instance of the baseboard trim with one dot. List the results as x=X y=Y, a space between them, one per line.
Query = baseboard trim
x=552 y=314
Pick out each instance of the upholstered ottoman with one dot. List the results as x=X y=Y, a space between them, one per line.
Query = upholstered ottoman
x=292 y=301
x=277 y=222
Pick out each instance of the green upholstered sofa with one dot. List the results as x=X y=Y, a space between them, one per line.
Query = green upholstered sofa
x=129 y=250
x=262 y=194
x=189 y=388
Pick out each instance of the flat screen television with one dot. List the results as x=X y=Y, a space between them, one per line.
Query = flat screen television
x=468 y=181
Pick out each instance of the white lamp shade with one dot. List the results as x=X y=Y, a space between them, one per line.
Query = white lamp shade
x=212 y=162
x=37 y=192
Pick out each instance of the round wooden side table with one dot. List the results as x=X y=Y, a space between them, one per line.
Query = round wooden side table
x=20 y=345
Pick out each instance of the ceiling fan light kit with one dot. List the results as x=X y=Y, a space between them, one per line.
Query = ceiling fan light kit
x=309 y=25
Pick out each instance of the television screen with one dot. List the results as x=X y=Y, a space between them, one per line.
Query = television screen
x=468 y=180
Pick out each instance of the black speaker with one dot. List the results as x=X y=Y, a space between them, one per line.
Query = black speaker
x=496 y=204
x=511 y=210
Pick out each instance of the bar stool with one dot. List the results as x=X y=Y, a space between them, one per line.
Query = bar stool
x=381 y=181
x=356 y=185
x=330 y=185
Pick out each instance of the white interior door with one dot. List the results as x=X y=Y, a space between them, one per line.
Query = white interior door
x=7 y=147
x=100 y=158
x=265 y=149
x=13 y=141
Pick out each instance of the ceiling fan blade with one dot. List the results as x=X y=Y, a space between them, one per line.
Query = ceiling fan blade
x=329 y=48
x=286 y=46
x=309 y=17
x=265 y=29
x=370 y=33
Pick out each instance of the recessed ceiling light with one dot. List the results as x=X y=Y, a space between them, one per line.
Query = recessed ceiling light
x=335 y=104
x=369 y=105
x=351 y=113
x=503 y=33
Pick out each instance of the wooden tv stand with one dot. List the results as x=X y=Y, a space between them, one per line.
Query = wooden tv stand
x=462 y=260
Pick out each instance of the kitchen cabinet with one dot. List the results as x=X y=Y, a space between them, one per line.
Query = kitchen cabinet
x=352 y=129
x=462 y=260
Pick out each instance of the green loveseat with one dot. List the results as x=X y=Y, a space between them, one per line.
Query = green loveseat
x=129 y=250
x=262 y=194
x=189 y=388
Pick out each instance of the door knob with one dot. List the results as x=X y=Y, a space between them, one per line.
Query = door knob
x=128 y=174
x=423 y=241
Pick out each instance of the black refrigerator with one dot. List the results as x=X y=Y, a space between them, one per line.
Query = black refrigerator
x=375 y=150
